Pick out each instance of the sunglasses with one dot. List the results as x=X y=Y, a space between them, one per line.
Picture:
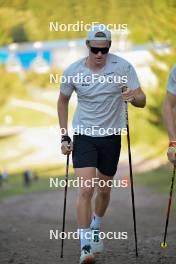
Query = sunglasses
x=95 y=50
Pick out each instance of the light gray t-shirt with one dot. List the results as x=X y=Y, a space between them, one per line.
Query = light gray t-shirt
x=171 y=84
x=100 y=108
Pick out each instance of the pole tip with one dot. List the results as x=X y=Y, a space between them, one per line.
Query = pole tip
x=163 y=245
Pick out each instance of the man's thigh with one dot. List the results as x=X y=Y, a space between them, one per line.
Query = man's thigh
x=86 y=176
x=84 y=153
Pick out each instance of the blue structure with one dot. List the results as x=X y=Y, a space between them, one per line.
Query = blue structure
x=27 y=52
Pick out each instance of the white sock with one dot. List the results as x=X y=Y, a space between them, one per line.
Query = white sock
x=84 y=236
x=96 y=222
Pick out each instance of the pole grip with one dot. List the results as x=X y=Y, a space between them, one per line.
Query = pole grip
x=124 y=88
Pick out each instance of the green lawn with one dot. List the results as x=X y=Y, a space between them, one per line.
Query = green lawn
x=148 y=141
x=158 y=179
x=25 y=117
x=14 y=185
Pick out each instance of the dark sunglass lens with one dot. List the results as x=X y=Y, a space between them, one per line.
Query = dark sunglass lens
x=104 y=50
x=95 y=50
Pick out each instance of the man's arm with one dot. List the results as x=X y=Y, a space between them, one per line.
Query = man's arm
x=135 y=97
x=168 y=115
x=62 y=109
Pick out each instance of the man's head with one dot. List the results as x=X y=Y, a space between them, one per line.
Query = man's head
x=98 y=42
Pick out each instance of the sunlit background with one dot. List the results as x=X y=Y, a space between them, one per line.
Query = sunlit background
x=29 y=52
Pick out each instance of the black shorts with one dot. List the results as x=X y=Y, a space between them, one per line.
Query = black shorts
x=99 y=152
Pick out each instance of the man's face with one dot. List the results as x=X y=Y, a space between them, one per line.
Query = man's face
x=99 y=58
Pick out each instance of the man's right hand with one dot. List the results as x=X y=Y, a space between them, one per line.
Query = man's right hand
x=172 y=152
x=66 y=145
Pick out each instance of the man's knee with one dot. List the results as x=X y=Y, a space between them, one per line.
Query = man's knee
x=86 y=193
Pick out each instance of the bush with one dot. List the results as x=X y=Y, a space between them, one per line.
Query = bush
x=10 y=85
x=42 y=80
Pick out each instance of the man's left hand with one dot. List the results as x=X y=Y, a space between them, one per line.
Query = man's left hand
x=171 y=153
x=128 y=95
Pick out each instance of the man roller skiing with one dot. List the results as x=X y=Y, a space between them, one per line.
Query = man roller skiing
x=169 y=115
x=100 y=106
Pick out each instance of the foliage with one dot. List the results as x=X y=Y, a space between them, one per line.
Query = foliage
x=149 y=20
x=42 y=80
x=17 y=26
x=11 y=84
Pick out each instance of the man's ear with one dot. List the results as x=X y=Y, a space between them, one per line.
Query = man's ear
x=87 y=43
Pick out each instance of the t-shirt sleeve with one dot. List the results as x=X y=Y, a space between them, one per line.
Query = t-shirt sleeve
x=171 y=84
x=132 y=79
x=67 y=86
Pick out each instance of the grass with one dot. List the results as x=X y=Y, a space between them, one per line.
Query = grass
x=15 y=186
x=11 y=147
x=11 y=151
x=25 y=117
x=148 y=140
x=158 y=179
x=141 y=129
x=146 y=137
